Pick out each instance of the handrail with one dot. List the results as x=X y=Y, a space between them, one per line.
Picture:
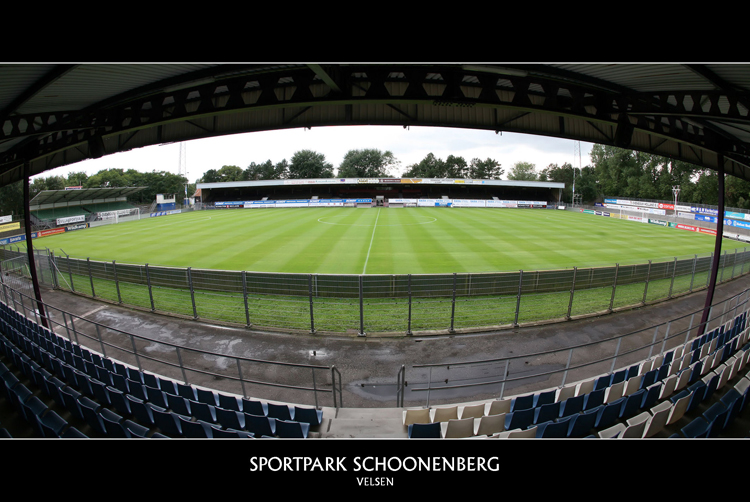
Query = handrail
x=10 y=293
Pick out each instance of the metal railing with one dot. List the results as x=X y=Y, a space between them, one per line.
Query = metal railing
x=396 y=304
x=555 y=368
x=233 y=374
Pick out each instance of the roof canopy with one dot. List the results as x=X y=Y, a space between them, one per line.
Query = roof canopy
x=74 y=197
x=53 y=115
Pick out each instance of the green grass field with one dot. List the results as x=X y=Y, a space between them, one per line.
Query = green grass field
x=382 y=241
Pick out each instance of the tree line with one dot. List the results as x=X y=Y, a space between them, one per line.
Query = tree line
x=612 y=172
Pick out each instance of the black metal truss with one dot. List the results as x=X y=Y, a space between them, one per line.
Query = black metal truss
x=696 y=120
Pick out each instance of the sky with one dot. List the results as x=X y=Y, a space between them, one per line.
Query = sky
x=409 y=146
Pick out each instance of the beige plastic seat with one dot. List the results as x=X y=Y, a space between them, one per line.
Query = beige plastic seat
x=499 y=406
x=668 y=388
x=585 y=387
x=444 y=414
x=679 y=409
x=473 y=411
x=565 y=392
x=458 y=428
x=614 y=392
x=683 y=379
x=417 y=416
x=519 y=433
x=659 y=416
x=632 y=385
x=491 y=424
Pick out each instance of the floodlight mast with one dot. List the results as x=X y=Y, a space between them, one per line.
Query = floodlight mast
x=676 y=192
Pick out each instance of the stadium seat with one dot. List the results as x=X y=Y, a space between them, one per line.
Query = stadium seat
x=491 y=424
x=417 y=416
x=311 y=416
x=458 y=428
x=423 y=431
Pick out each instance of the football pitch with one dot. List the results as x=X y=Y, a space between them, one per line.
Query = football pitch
x=382 y=241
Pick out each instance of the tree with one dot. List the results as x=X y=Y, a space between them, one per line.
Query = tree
x=266 y=171
x=307 y=164
x=429 y=167
x=523 y=171
x=367 y=163
x=11 y=199
x=488 y=169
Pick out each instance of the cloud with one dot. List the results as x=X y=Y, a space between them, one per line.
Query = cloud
x=409 y=146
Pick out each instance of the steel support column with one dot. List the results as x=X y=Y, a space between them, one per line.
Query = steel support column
x=29 y=246
x=717 y=249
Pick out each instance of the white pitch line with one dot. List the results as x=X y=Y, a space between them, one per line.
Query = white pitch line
x=371 y=239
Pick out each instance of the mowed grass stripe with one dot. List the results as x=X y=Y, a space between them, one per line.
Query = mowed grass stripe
x=411 y=240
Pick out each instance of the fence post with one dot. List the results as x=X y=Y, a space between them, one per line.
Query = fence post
x=70 y=272
x=361 y=310
x=192 y=292
x=117 y=282
x=674 y=270
x=244 y=298
x=734 y=262
x=645 y=288
x=614 y=287
x=150 y=293
x=91 y=277
x=723 y=265
x=53 y=268
x=710 y=264
x=744 y=259
x=310 y=293
x=518 y=298
x=453 y=304
x=692 y=276
x=408 y=325
x=572 y=291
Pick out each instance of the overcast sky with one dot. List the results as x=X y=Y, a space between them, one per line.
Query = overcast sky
x=408 y=146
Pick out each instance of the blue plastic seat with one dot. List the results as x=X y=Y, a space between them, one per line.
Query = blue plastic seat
x=593 y=399
x=135 y=430
x=113 y=425
x=168 y=386
x=207 y=396
x=716 y=415
x=186 y=391
x=582 y=423
x=203 y=411
x=522 y=403
x=553 y=429
x=546 y=412
x=230 y=419
x=229 y=402
x=300 y=430
x=178 y=404
x=119 y=400
x=140 y=410
x=632 y=404
x=155 y=396
x=698 y=428
x=421 y=431
x=608 y=414
x=279 y=411
x=311 y=416
x=50 y=425
x=166 y=421
x=260 y=425
x=254 y=407
x=195 y=429
x=571 y=406
x=520 y=419
x=542 y=398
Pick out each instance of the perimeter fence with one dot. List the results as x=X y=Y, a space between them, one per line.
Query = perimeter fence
x=397 y=304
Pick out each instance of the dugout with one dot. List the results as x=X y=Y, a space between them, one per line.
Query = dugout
x=379 y=189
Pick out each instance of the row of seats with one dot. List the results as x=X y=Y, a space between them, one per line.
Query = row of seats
x=609 y=401
x=117 y=400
